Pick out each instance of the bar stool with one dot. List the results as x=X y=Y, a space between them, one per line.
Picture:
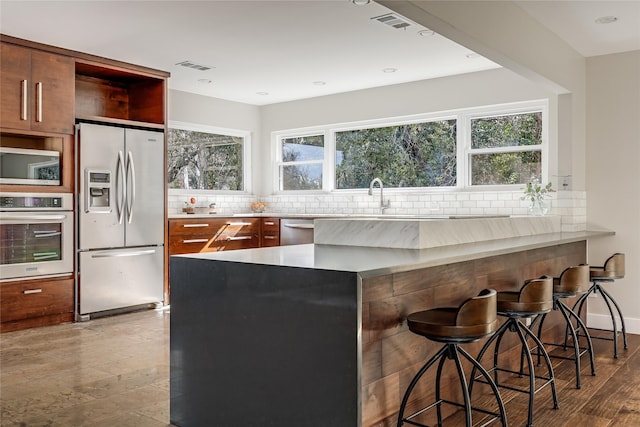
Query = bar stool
x=533 y=299
x=613 y=269
x=474 y=319
x=572 y=282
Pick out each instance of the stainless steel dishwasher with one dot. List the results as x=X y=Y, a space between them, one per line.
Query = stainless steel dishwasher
x=296 y=231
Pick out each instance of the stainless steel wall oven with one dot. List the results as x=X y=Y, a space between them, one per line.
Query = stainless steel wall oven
x=36 y=235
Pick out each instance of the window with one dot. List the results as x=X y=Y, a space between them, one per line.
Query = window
x=501 y=145
x=302 y=162
x=409 y=155
x=506 y=149
x=201 y=158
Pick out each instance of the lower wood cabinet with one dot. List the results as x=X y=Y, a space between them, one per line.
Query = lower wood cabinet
x=210 y=235
x=270 y=232
x=32 y=303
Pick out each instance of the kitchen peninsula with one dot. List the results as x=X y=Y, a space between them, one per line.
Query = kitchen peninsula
x=315 y=335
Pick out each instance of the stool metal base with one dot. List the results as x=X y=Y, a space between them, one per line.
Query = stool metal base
x=451 y=351
x=568 y=314
x=608 y=299
x=514 y=324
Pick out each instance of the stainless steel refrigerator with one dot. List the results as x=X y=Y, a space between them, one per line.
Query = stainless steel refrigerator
x=120 y=218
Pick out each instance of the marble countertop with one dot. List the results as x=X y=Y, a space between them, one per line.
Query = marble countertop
x=249 y=215
x=183 y=215
x=370 y=261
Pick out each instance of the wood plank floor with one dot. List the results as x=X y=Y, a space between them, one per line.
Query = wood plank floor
x=115 y=372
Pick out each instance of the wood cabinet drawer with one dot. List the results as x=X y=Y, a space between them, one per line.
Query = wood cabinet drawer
x=212 y=227
x=270 y=232
x=35 y=298
x=206 y=235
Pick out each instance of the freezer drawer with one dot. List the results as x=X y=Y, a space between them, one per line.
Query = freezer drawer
x=120 y=278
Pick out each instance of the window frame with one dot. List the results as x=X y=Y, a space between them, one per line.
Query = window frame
x=464 y=151
x=246 y=156
x=280 y=164
x=503 y=110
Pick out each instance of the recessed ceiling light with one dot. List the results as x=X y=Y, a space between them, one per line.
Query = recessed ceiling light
x=389 y=70
x=262 y=93
x=360 y=2
x=606 y=19
x=204 y=81
x=319 y=83
x=426 y=32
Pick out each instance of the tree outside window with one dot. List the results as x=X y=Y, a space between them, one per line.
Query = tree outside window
x=204 y=161
x=302 y=162
x=494 y=145
x=410 y=155
x=506 y=149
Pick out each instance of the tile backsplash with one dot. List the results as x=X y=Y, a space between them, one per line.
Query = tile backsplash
x=571 y=206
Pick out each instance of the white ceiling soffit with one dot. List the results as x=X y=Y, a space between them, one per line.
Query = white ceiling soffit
x=256 y=52
x=575 y=22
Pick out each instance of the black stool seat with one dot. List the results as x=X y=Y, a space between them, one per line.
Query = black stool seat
x=572 y=282
x=533 y=299
x=474 y=319
x=613 y=268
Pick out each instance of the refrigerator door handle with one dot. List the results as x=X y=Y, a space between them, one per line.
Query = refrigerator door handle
x=120 y=204
x=113 y=254
x=131 y=174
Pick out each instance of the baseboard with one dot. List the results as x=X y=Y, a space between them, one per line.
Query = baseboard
x=603 y=321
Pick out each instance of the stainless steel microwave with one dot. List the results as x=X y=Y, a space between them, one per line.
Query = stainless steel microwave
x=29 y=166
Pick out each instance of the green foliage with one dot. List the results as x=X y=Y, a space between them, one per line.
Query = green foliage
x=535 y=191
x=204 y=161
x=507 y=131
x=413 y=155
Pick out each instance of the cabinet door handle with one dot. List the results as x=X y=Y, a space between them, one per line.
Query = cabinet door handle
x=31 y=291
x=230 y=239
x=194 y=225
x=269 y=237
x=238 y=224
x=269 y=223
x=39 y=100
x=195 y=241
x=24 y=92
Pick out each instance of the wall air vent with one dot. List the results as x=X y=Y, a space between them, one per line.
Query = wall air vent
x=191 y=64
x=393 y=20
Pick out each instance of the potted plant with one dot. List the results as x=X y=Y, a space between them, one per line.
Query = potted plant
x=535 y=193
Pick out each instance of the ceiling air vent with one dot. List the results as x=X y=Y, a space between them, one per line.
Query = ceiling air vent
x=191 y=64
x=393 y=20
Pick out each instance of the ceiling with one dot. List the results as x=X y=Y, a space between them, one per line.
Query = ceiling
x=264 y=52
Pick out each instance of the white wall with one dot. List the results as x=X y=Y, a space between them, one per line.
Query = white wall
x=613 y=188
x=204 y=110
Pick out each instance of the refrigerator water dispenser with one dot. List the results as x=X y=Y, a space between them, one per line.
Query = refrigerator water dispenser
x=98 y=191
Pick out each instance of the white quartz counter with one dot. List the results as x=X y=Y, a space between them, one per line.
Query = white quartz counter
x=370 y=261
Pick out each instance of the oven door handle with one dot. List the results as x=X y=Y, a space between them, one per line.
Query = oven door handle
x=8 y=217
x=37 y=234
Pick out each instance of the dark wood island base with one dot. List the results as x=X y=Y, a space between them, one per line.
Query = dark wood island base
x=313 y=335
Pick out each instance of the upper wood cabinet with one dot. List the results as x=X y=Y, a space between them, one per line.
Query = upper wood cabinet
x=37 y=90
x=113 y=94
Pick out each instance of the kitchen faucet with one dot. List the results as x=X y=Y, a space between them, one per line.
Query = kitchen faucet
x=383 y=205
